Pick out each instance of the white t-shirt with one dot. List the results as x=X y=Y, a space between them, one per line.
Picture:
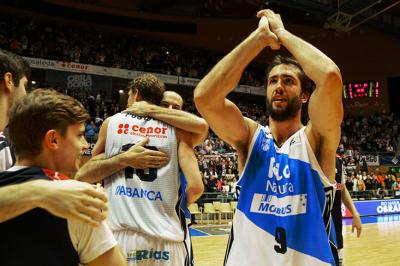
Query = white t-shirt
x=90 y=242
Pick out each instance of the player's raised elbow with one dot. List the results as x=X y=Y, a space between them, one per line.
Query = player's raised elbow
x=333 y=77
x=205 y=97
x=200 y=98
x=330 y=86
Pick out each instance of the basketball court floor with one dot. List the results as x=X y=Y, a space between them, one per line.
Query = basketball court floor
x=378 y=245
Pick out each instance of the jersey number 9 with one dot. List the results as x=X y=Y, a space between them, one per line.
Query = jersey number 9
x=280 y=237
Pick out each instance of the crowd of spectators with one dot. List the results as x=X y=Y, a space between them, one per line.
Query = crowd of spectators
x=86 y=45
x=363 y=180
x=377 y=132
x=367 y=185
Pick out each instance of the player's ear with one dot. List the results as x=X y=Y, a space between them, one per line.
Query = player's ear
x=52 y=139
x=137 y=95
x=8 y=82
x=305 y=96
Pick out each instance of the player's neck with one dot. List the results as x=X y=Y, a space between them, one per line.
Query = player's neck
x=282 y=130
x=3 y=112
x=40 y=161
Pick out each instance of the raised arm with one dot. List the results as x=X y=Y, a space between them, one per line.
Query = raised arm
x=325 y=107
x=222 y=115
x=176 y=118
x=99 y=167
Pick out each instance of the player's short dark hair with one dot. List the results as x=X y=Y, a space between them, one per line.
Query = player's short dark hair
x=15 y=64
x=307 y=85
x=150 y=87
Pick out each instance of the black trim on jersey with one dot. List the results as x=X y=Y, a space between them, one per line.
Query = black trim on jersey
x=189 y=259
x=3 y=145
x=327 y=220
x=181 y=213
x=237 y=192
x=326 y=214
x=337 y=205
x=35 y=238
x=229 y=246
x=335 y=252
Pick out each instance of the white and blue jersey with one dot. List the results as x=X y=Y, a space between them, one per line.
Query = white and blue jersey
x=183 y=201
x=144 y=200
x=283 y=212
x=187 y=219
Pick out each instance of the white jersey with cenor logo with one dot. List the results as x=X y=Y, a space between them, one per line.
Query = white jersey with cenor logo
x=283 y=211
x=145 y=200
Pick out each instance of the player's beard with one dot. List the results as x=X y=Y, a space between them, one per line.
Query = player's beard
x=282 y=114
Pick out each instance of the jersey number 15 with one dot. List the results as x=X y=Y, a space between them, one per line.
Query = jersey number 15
x=146 y=175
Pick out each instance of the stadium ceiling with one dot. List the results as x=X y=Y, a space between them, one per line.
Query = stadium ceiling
x=340 y=15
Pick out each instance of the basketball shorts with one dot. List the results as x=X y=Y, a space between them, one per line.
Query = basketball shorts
x=144 y=250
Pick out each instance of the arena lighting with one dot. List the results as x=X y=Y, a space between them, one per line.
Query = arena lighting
x=121 y=91
x=342 y=22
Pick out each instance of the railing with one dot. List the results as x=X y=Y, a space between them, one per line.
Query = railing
x=209 y=197
x=372 y=194
x=383 y=153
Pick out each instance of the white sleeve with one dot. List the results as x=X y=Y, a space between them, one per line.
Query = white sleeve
x=90 y=242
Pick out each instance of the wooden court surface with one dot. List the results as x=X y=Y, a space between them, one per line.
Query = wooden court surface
x=378 y=245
